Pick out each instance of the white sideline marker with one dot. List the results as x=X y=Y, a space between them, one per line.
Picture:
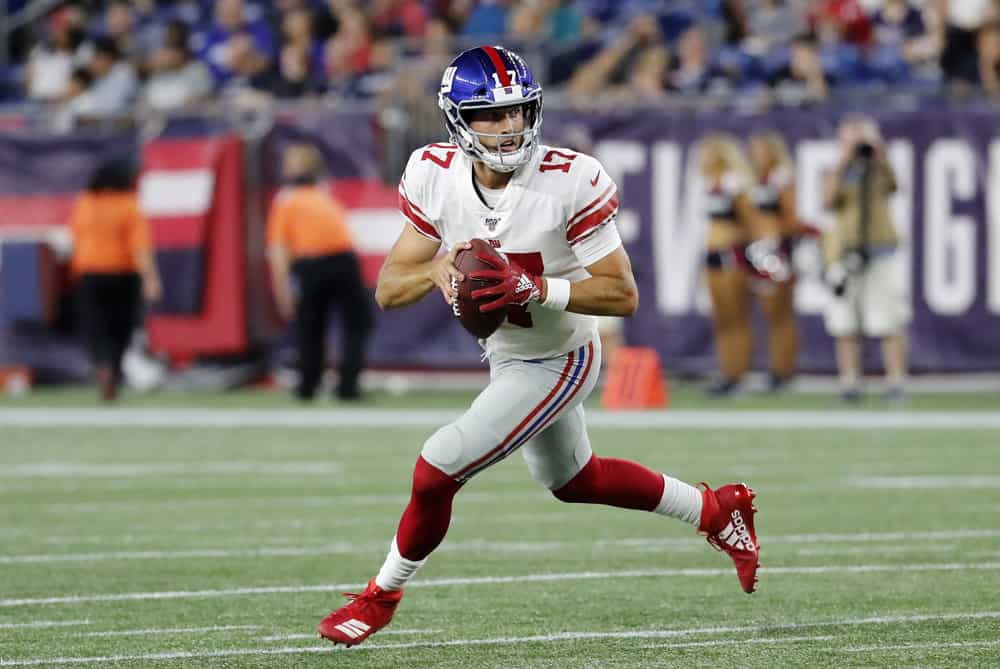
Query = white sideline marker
x=547 y=638
x=497 y=580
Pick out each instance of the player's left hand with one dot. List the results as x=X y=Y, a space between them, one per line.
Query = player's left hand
x=514 y=285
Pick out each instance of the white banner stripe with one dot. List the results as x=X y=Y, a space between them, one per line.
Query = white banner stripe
x=640 y=420
x=499 y=580
x=166 y=193
x=547 y=638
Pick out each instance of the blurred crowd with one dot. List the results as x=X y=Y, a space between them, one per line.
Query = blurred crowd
x=89 y=58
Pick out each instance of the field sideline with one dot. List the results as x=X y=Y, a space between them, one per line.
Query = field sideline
x=160 y=535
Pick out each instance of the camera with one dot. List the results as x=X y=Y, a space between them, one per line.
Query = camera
x=864 y=150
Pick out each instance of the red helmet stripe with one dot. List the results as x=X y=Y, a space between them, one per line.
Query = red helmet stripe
x=498 y=64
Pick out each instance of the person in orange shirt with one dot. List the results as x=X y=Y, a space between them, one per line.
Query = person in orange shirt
x=314 y=267
x=113 y=260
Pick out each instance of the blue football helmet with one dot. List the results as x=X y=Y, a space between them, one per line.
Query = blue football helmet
x=490 y=77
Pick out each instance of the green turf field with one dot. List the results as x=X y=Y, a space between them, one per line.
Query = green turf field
x=190 y=546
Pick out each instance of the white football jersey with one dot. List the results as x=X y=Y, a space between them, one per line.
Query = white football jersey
x=555 y=218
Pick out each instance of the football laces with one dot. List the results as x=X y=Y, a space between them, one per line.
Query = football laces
x=454 y=303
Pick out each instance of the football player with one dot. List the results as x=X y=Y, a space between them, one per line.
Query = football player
x=551 y=212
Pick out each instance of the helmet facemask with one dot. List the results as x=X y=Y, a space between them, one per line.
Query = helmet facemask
x=469 y=140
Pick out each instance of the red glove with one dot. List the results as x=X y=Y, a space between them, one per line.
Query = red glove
x=515 y=285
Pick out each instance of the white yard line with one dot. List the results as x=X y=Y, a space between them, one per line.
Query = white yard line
x=186 y=418
x=305 y=637
x=50 y=469
x=324 y=502
x=953 y=482
x=496 y=580
x=738 y=642
x=919 y=646
x=898 y=539
x=547 y=638
x=169 y=630
x=42 y=624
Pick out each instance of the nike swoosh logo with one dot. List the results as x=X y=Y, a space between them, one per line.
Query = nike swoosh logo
x=593 y=182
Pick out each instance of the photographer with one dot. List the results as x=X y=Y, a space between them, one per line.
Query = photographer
x=862 y=263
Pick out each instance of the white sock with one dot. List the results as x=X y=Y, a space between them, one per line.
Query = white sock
x=680 y=501
x=396 y=570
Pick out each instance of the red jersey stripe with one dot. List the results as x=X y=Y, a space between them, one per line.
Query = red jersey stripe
x=422 y=226
x=579 y=230
x=600 y=198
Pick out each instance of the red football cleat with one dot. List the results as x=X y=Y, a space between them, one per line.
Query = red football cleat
x=727 y=523
x=361 y=617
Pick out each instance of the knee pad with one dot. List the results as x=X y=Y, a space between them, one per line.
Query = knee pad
x=443 y=449
x=582 y=487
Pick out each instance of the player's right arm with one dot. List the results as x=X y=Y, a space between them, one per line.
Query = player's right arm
x=412 y=270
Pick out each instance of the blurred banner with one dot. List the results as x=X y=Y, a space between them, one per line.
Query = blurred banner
x=947 y=209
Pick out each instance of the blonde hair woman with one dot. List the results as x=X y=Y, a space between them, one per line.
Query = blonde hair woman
x=735 y=250
x=774 y=199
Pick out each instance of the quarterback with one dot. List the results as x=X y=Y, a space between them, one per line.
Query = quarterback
x=551 y=212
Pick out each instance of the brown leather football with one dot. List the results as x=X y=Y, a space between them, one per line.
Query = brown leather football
x=465 y=308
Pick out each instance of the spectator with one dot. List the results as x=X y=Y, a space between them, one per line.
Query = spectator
x=115 y=84
x=901 y=26
x=217 y=45
x=488 y=19
x=862 y=260
x=803 y=79
x=840 y=21
x=113 y=259
x=298 y=52
x=896 y=22
x=735 y=21
x=75 y=103
x=249 y=70
x=611 y=66
x=307 y=233
x=118 y=26
x=566 y=22
x=398 y=18
x=774 y=23
x=645 y=84
x=959 y=28
x=347 y=54
x=177 y=80
x=692 y=72
x=50 y=66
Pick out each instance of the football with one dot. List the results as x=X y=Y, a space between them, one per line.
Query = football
x=465 y=308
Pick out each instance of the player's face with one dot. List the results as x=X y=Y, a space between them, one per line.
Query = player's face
x=499 y=121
